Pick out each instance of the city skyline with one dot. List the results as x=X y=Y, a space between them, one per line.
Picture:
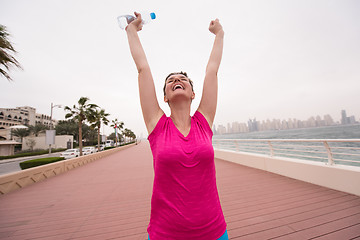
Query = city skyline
x=282 y=124
x=231 y=127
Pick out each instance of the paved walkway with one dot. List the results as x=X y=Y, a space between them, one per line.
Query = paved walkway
x=110 y=199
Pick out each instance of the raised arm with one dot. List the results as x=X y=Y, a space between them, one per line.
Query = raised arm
x=209 y=95
x=149 y=104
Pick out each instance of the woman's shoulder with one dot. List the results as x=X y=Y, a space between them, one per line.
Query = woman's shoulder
x=157 y=123
x=198 y=115
x=200 y=118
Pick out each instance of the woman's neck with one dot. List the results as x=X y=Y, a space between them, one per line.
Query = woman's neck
x=180 y=116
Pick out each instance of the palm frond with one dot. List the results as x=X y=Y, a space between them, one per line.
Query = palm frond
x=69 y=115
x=6 y=53
x=82 y=101
x=92 y=105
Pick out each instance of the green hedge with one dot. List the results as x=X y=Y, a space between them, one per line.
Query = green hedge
x=106 y=148
x=127 y=143
x=35 y=153
x=39 y=162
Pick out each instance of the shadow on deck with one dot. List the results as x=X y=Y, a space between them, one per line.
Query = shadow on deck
x=110 y=199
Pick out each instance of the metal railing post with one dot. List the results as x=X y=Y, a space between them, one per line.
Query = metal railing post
x=237 y=146
x=215 y=143
x=330 y=156
x=271 y=149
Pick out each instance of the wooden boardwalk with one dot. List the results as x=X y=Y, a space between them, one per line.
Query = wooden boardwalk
x=110 y=199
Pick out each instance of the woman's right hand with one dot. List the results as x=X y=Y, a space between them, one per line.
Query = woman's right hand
x=215 y=27
x=136 y=24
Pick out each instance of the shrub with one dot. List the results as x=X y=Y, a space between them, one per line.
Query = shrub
x=123 y=144
x=39 y=162
x=106 y=148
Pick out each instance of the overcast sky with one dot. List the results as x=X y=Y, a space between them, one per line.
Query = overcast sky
x=282 y=59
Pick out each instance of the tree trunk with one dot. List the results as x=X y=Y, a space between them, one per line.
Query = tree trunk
x=116 y=137
x=98 y=138
x=80 y=138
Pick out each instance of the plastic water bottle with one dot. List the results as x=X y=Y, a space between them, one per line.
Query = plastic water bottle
x=124 y=20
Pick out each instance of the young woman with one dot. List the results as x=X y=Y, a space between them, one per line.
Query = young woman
x=185 y=202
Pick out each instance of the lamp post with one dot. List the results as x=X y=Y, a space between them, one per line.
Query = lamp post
x=52 y=106
x=51 y=123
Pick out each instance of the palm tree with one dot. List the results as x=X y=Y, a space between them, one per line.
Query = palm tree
x=38 y=128
x=6 y=51
x=99 y=117
x=125 y=133
x=84 y=111
x=132 y=135
x=117 y=126
x=21 y=133
x=128 y=133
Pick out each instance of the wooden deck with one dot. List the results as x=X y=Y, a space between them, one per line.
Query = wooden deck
x=110 y=199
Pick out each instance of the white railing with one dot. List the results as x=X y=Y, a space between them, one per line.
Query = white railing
x=330 y=151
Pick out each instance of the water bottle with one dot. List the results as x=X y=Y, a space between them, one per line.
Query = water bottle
x=124 y=20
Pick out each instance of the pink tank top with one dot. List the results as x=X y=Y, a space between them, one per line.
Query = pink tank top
x=185 y=202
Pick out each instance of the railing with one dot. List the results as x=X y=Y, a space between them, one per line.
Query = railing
x=329 y=151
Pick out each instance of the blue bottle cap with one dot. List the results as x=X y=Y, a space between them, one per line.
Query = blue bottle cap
x=152 y=15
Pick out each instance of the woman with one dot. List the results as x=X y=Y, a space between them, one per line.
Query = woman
x=185 y=202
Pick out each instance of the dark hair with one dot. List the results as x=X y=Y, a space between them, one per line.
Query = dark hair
x=176 y=73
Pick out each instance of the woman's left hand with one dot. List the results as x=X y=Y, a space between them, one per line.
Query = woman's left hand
x=215 y=27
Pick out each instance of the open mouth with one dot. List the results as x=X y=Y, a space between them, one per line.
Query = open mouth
x=178 y=86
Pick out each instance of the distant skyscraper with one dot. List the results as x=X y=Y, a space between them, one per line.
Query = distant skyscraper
x=221 y=129
x=328 y=120
x=253 y=126
x=343 y=117
x=351 y=119
x=347 y=120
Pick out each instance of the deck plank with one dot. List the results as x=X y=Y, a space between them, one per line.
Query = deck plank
x=110 y=199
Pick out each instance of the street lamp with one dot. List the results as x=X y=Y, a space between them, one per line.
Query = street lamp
x=52 y=106
x=51 y=134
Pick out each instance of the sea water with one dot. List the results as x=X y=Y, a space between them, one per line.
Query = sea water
x=329 y=132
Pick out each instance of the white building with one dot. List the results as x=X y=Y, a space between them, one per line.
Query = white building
x=61 y=141
x=21 y=116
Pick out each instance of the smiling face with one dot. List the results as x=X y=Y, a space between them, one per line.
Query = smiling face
x=178 y=85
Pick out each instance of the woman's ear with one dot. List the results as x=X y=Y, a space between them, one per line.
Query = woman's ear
x=166 y=99
x=193 y=95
